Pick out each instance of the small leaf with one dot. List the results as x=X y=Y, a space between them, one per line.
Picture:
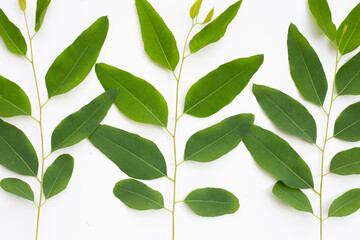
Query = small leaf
x=347 y=125
x=278 y=158
x=72 y=66
x=212 y=202
x=346 y=162
x=346 y=204
x=41 y=8
x=305 y=67
x=159 y=42
x=137 y=157
x=348 y=77
x=13 y=100
x=22 y=4
x=321 y=11
x=294 y=197
x=215 y=30
x=287 y=113
x=209 y=16
x=218 y=88
x=17 y=187
x=83 y=123
x=137 y=195
x=17 y=153
x=12 y=36
x=213 y=142
x=137 y=99
x=195 y=9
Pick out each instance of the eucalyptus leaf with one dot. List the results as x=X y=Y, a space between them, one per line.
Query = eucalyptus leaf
x=219 y=88
x=321 y=11
x=41 y=8
x=346 y=204
x=195 y=9
x=17 y=187
x=346 y=162
x=347 y=125
x=22 y=4
x=209 y=16
x=348 y=77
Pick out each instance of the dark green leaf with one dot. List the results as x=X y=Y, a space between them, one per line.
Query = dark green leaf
x=72 y=66
x=305 y=67
x=278 y=158
x=346 y=162
x=348 y=77
x=17 y=187
x=213 y=142
x=135 y=156
x=82 y=124
x=137 y=99
x=209 y=16
x=321 y=11
x=41 y=8
x=346 y=204
x=195 y=9
x=347 y=125
x=218 y=88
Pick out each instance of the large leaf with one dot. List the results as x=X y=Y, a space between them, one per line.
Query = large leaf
x=212 y=202
x=346 y=162
x=287 y=113
x=213 y=142
x=135 y=156
x=13 y=100
x=321 y=11
x=215 y=30
x=137 y=99
x=72 y=66
x=58 y=175
x=346 y=204
x=348 y=77
x=137 y=195
x=294 y=197
x=305 y=67
x=347 y=125
x=218 y=88
x=278 y=158
x=159 y=42
x=12 y=36
x=17 y=187
x=82 y=124
x=41 y=8
x=17 y=153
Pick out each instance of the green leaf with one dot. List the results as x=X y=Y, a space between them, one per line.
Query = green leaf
x=22 y=4
x=346 y=204
x=347 y=125
x=348 y=34
x=13 y=100
x=218 y=88
x=294 y=197
x=137 y=99
x=159 y=42
x=209 y=16
x=212 y=202
x=41 y=8
x=346 y=162
x=83 y=123
x=137 y=195
x=287 y=113
x=17 y=187
x=195 y=9
x=215 y=30
x=305 y=67
x=348 y=77
x=58 y=175
x=17 y=153
x=12 y=36
x=72 y=66
x=137 y=157
x=321 y=11
x=278 y=158
x=213 y=142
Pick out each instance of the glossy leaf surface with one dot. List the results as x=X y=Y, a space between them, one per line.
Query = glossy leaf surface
x=41 y=8
x=321 y=11
x=346 y=204
x=17 y=187
x=348 y=77
x=346 y=162
x=347 y=125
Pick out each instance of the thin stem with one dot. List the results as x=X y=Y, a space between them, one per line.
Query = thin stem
x=317 y=146
x=167 y=209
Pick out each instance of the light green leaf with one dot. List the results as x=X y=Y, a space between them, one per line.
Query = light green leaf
x=83 y=123
x=137 y=99
x=347 y=125
x=346 y=204
x=287 y=113
x=209 y=16
x=305 y=67
x=137 y=195
x=22 y=4
x=218 y=88
x=348 y=77
x=72 y=66
x=213 y=142
x=17 y=187
x=159 y=42
x=321 y=11
x=137 y=157
x=41 y=8
x=346 y=162
x=195 y=9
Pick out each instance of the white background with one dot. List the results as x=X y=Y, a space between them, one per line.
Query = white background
x=88 y=210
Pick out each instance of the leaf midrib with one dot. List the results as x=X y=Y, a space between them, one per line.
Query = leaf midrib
x=349 y=126
x=15 y=106
x=143 y=196
x=351 y=80
x=344 y=205
x=210 y=201
x=306 y=207
x=20 y=190
x=345 y=166
x=11 y=38
x=57 y=177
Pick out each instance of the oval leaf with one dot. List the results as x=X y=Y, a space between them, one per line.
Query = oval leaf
x=212 y=202
x=218 y=88
x=135 y=156
x=209 y=16
x=213 y=142
x=17 y=187
x=287 y=113
x=346 y=162
x=347 y=125
x=278 y=158
x=82 y=124
x=321 y=11
x=22 y=4
x=346 y=204
x=137 y=99
x=305 y=67
x=348 y=77
x=41 y=8
x=137 y=195
x=195 y=9
x=159 y=42
x=72 y=66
